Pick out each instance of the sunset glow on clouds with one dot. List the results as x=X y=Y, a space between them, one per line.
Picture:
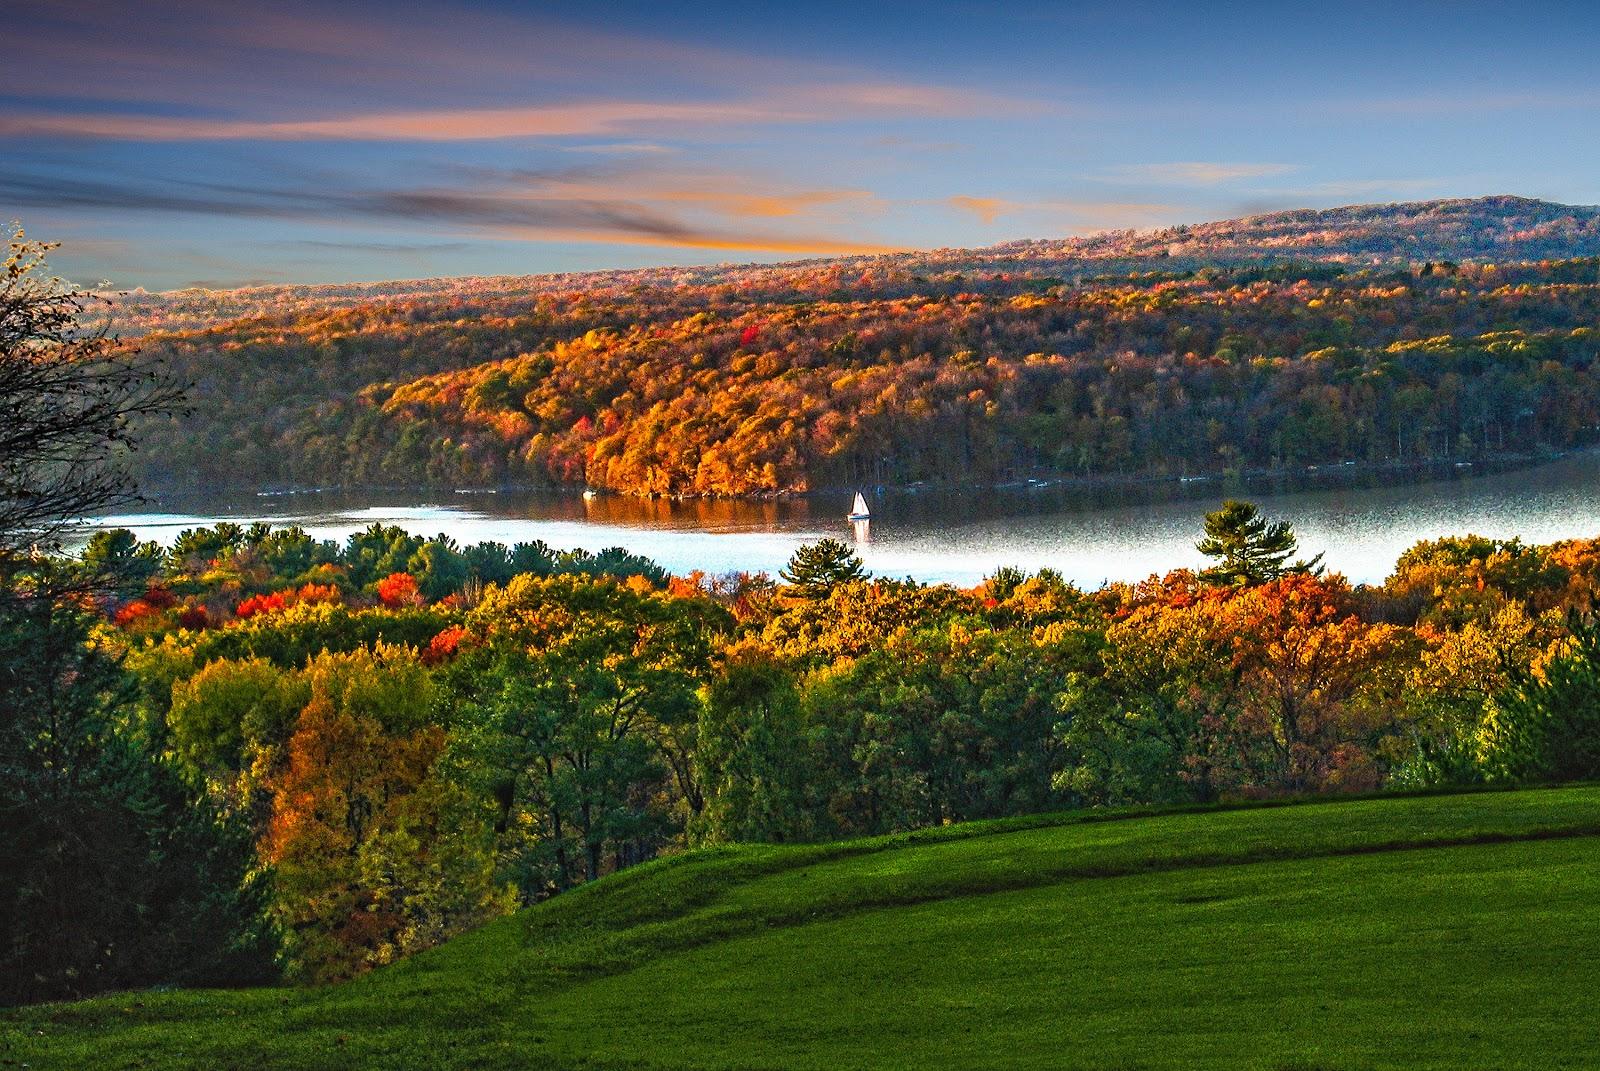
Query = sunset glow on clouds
x=318 y=142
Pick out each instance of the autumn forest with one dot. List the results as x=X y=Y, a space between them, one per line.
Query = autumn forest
x=251 y=756
x=1265 y=345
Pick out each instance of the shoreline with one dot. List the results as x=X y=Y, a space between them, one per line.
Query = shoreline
x=1300 y=477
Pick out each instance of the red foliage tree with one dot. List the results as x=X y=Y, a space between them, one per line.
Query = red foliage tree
x=260 y=604
x=194 y=618
x=399 y=589
x=443 y=646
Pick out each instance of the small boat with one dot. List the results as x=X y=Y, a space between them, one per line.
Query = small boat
x=590 y=494
x=859 y=511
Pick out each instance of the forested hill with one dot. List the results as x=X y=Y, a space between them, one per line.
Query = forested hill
x=1485 y=228
x=1441 y=330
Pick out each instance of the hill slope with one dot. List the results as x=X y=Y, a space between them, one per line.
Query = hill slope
x=1439 y=932
x=1501 y=227
x=1265 y=344
x=1480 y=228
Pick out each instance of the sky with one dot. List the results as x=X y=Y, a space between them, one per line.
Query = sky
x=171 y=143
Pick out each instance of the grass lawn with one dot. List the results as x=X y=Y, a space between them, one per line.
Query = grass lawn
x=1431 y=932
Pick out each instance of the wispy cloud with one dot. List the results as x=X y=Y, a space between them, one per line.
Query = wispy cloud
x=1201 y=172
x=621 y=148
x=289 y=56
x=772 y=205
x=537 y=209
x=806 y=104
x=1076 y=215
x=414 y=70
x=987 y=209
x=388 y=249
x=1345 y=191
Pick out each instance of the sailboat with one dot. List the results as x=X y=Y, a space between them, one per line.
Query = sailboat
x=859 y=511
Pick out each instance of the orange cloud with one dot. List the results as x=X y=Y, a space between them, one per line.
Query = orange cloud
x=1055 y=214
x=709 y=207
x=803 y=105
x=770 y=205
x=752 y=243
x=1203 y=172
x=686 y=211
x=987 y=209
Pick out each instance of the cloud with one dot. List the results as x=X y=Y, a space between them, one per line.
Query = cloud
x=542 y=208
x=1057 y=214
x=773 y=205
x=732 y=195
x=987 y=209
x=1202 y=172
x=807 y=104
x=288 y=57
x=392 y=249
x=622 y=148
x=438 y=125
x=413 y=70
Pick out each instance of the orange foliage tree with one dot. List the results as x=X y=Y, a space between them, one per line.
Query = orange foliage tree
x=399 y=589
x=376 y=853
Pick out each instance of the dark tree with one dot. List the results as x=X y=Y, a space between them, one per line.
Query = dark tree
x=1249 y=549
x=1548 y=726
x=118 y=553
x=816 y=568
x=68 y=394
x=116 y=873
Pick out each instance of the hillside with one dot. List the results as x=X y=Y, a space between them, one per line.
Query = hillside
x=1503 y=228
x=1433 y=932
x=1461 y=229
x=1441 y=331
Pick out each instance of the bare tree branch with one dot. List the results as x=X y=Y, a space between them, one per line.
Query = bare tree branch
x=67 y=396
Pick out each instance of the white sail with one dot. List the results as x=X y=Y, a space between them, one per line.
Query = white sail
x=860 y=508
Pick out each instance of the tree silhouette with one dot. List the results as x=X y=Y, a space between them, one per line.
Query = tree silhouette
x=68 y=393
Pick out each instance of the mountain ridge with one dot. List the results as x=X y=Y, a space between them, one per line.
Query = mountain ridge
x=1509 y=209
x=1445 y=331
x=1495 y=227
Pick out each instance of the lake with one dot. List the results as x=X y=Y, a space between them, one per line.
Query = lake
x=1361 y=524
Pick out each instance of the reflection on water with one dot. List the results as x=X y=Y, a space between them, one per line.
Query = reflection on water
x=1090 y=536
x=704 y=514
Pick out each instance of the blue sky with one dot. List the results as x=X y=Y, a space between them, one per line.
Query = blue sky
x=211 y=142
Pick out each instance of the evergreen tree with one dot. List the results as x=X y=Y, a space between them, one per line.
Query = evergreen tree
x=1250 y=549
x=118 y=554
x=1547 y=727
x=118 y=873
x=752 y=757
x=815 y=568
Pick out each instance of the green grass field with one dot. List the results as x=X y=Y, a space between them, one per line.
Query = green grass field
x=1429 y=932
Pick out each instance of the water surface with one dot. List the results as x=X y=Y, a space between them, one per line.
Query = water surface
x=1090 y=536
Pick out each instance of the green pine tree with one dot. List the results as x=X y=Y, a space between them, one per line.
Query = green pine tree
x=1249 y=548
x=816 y=568
x=1547 y=727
